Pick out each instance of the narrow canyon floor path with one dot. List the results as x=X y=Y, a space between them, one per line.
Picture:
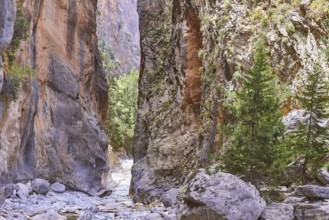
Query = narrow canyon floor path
x=74 y=205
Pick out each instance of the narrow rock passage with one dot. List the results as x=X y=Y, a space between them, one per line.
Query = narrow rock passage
x=25 y=204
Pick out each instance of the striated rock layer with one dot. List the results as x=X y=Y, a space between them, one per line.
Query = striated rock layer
x=54 y=129
x=189 y=50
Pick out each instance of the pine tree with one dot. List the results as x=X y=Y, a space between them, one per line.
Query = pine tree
x=258 y=128
x=311 y=138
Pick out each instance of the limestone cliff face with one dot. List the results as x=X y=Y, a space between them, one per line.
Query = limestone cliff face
x=70 y=142
x=117 y=23
x=7 y=18
x=190 y=48
x=54 y=129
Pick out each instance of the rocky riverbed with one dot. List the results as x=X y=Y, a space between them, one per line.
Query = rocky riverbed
x=25 y=203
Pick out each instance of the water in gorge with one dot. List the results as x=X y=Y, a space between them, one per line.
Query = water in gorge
x=25 y=204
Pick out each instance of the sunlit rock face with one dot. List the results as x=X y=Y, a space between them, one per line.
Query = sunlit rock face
x=54 y=130
x=70 y=141
x=189 y=50
x=117 y=27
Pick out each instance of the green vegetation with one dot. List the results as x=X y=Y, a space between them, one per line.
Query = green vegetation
x=122 y=107
x=13 y=80
x=256 y=135
x=20 y=33
x=310 y=140
x=111 y=63
x=123 y=94
x=14 y=73
x=319 y=9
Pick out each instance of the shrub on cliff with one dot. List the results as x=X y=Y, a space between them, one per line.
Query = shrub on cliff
x=15 y=73
x=21 y=28
x=13 y=80
x=255 y=136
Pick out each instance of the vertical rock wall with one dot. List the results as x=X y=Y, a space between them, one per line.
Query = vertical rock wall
x=189 y=50
x=7 y=18
x=166 y=135
x=54 y=130
x=117 y=22
x=70 y=141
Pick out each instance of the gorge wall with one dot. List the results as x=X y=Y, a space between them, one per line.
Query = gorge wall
x=189 y=50
x=117 y=23
x=7 y=18
x=54 y=129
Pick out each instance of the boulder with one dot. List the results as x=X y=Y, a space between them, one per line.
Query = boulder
x=313 y=191
x=220 y=196
x=312 y=211
x=278 y=211
x=294 y=117
x=169 y=198
x=86 y=215
x=50 y=215
x=294 y=199
x=40 y=186
x=58 y=187
x=23 y=190
x=5 y=191
x=323 y=176
x=153 y=216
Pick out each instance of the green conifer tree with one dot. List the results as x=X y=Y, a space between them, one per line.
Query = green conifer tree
x=258 y=128
x=311 y=138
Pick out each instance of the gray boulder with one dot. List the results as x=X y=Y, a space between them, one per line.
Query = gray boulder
x=58 y=187
x=312 y=211
x=86 y=215
x=153 y=216
x=50 y=215
x=278 y=211
x=220 y=196
x=23 y=190
x=169 y=198
x=5 y=191
x=313 y=191
x=324 y=175
x=40 y=186
x=294 y=118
